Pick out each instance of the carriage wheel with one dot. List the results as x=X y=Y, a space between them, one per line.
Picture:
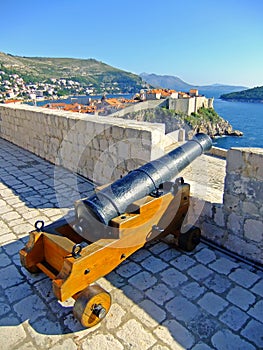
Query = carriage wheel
x=190 y=239
x=92 y=305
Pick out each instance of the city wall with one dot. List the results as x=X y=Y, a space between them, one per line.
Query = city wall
x=102 y=149
x=237 y=223
x=99 y=148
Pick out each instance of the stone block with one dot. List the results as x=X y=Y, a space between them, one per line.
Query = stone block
x=213 y=232
x=212 y=303
x=249 y=208
x=224 y=339
x=253 y=229
x=219 y=215
x=235 y=161
x=235 y=223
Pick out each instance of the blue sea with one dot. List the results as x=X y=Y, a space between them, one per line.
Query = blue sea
x=243 y=116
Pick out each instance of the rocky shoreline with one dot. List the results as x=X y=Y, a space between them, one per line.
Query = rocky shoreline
x=173 y=121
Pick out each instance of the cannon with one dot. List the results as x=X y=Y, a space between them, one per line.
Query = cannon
x=110 y=225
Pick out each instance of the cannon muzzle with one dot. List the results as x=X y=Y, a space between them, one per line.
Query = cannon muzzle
x=113 y=200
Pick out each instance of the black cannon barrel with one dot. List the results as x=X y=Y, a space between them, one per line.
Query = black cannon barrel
x=113 y=200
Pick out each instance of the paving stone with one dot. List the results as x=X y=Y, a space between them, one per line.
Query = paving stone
x=128 y=269
x=12 y=215
x=241 y=297
x=153 y=264
x=114 y=316
x=140 y=255
x=154 y=284
x=4 y=309
x=5 y=239
x=133 y=293
x=212 y=303
x=149 y=313
x=68 y=344
x=101 y=341
x=174 y=335
x=234 y=318
x=4 y=260
x=226 y=340
x=159 y=293
x=10 y=276
x=45 y=332
x=223 y=265
x=159 y=347
x=159 y=248
x=13 y=248
x=244 y=277
x=254 y=332
x=205 y=256
x=258 y=288
x=218 y=283
x=182 y=309
x=173 y=277
x=199 y=272
x=12 y=336
x=170 y=254
x=18 y=292
x=5 y=209
x=256 y=311
x=183 y=262
x=203 y=326
x=134 y=336
x=143 y=280
x=44 y=288
x=201 y=346
x=30 y=308
x=27 y=346
x=192 y=290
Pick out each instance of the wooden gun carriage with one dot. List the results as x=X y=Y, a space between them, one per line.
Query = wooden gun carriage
x=109 y=226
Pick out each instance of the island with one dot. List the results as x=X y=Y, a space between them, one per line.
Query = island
x=249 y=95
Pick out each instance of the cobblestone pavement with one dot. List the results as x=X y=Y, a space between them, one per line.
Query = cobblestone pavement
x=162 y=298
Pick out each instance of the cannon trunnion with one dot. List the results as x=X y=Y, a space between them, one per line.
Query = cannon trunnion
x=76 y=253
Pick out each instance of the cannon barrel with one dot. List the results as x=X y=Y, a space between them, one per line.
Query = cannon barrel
x=114 y=199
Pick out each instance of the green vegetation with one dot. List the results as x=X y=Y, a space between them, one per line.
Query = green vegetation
x=204 y=115
x=88 y=72
x=250 y=95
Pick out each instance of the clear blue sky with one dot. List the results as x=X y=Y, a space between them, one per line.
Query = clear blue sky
x=200 y=41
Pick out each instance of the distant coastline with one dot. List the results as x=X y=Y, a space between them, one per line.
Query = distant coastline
x=254 y=95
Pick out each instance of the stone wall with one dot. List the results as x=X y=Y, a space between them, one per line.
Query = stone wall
x=103 y=148
x=243 y=202
x=99 y=148
x=189 y=105
x=237 y=222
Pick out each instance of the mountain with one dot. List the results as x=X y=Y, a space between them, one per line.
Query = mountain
x=165 y=81
x=172 y=82
x=88 y=72
x=249 y=95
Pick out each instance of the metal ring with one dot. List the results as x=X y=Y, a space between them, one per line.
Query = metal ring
x=76 y=250
x=39 y=224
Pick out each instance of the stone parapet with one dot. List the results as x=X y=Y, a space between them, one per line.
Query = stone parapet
x=243 y=201
x=236 y=223
x=228 y=208
x=99 y=148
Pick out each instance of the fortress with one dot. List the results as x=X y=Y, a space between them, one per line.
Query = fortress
x=102 y=149
x=180 y=102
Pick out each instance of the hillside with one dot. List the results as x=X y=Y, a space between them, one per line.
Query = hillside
x=172 y=82
x=249 y=95
x=88 y=72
